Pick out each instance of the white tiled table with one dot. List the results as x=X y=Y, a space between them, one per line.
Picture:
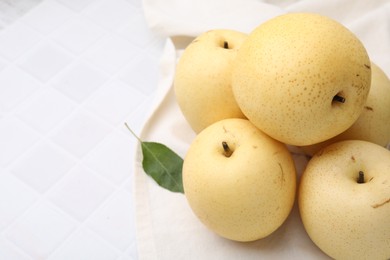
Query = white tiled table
x=71 y=73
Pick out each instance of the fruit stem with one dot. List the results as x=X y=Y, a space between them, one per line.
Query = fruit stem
x=225 y=45
x=226 y=149
x=361 y=177
x=132 y=132
x=339 y=99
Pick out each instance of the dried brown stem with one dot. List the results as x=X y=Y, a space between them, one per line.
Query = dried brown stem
x=226 y=149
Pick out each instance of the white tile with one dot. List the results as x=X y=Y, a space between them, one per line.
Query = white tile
x=112 y=53
x=80 y=80
x=136 y=3
x=128 y=185
x=115 y=221
x=126 y=257
x=138 y=117
x=40 y=231
x=15 y=198
x=156 y=48
x=141 y=73
x=45 y=60
x=46 y=110
x=42 y=166
x=15 y=138
x=13 y=10
x=80 y=134
x=131 y=253
x=47 y=16
x=78 y=35
x=11 y=252
x=16 y=39
x=137 y=26
x=112 y=158
x=15 y=86
x=77 y=5
x=3 y=64
x=84 y=245
x=80 y=192
x=114 y=101
x=111 y=13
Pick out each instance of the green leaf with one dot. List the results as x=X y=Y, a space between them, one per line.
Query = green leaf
x=162 y=164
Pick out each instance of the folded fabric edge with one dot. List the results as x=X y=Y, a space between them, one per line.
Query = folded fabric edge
x=172 y=18
x=143 y=222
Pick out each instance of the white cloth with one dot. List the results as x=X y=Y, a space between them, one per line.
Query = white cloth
x=369 y=20
x=166 y=226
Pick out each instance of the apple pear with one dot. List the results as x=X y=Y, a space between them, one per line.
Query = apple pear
x=344 y=200
x=202 y=82
x=301 y=78
x=373 y=124
x=238 y=181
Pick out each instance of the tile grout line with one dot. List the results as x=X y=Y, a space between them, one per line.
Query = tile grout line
x=42 y=197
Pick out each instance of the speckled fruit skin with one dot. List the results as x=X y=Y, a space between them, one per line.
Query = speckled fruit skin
x=202 y=82
x=243 y=197
x=346 y=219
x=288 y=71
x=373 y=124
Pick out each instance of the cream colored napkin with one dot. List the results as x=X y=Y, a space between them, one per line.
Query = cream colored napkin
x=166 y=227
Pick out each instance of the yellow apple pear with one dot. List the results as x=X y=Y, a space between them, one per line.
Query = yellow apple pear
x=202 y=80
x=239 y=181
x=373 y=124
x=344 y=200
x=301 y=78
